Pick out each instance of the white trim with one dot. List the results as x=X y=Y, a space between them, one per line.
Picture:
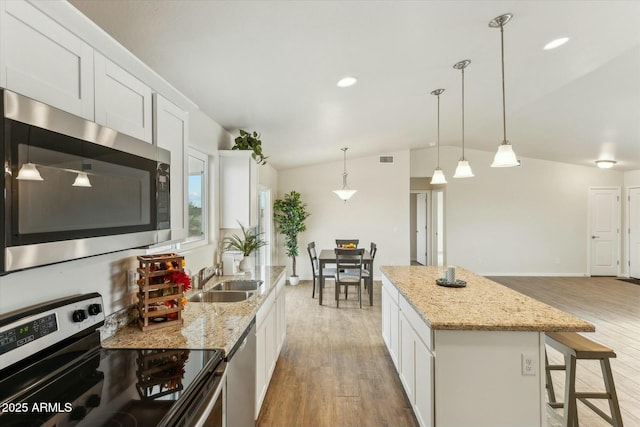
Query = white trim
x=627 y=222
x=538 y=274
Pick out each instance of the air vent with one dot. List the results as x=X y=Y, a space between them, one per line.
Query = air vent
x=386 y=159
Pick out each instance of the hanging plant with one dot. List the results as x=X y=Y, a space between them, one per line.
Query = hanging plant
x=251 y=141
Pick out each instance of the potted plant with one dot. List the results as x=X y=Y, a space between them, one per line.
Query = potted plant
x=289 y=216
x=251 y=141
x=248 y=243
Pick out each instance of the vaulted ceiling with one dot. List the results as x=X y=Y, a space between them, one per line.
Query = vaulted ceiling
x=272 y=66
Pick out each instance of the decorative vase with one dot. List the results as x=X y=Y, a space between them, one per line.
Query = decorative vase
x=294 y=280
x=248 y=264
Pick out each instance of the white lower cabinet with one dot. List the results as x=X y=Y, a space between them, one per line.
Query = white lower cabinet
x=270 y=333
x=42 y=60
x=416 y=372
x=390 y=319
x=409 y=341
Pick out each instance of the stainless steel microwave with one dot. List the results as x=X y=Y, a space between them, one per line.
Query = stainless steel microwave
x=74 y=189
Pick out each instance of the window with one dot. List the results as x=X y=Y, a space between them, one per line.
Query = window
x=197 y=196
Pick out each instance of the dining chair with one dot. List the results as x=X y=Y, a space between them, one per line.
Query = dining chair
x=341 y=242
x=367 y=274
x=348 y=272
x=327 y=272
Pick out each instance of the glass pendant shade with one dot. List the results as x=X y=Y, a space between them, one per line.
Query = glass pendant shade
x=438 y=177
x=505 y=157
x=345 y=194
x=29 y=172
x=463 y=170
x=82 y=180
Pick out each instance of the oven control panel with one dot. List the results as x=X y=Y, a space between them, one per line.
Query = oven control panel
x=33 y=329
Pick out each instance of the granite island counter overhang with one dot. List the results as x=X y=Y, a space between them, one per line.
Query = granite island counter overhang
x=472 y=355
x=206 y=325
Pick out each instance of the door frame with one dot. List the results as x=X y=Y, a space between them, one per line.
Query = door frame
x=434 y=228
x=618 y=245
x=628 y=224
x=428 y=247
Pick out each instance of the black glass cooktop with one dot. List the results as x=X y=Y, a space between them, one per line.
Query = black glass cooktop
x=104 y=387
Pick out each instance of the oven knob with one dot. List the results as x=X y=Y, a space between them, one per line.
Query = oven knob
x=78 y=413
x=93 y=401
x=79 y=315
x=95 y=309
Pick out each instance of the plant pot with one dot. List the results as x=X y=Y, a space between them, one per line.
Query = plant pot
x=248 y=264
x=294 y=280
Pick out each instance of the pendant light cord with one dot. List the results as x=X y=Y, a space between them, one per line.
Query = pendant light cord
x=344 y=173
x=438 y=131
x=504 y=114
x=463 y=114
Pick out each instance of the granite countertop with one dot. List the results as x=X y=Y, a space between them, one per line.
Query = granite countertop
x=206 y=325
x=482 y=305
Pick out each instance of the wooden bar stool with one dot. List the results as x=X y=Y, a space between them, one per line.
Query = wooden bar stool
x=576 y=347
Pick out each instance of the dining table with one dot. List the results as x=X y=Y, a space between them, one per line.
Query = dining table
x=328 y=256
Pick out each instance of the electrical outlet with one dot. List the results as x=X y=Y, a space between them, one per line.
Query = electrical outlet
x=529 y=364
x=132 y=284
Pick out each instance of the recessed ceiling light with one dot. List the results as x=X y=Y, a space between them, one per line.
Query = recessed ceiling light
x=556 y=43
x=347 y=81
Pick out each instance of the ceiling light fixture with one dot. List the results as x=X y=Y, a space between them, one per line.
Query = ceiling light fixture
x=505 y=157
x=605 y=164
x=344 y=193
x=463 y=170
x=438 y=175
x=347 y=81
x=556 y=43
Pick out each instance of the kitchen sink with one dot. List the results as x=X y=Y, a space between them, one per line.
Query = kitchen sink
x=217 y=296
x=237 y=285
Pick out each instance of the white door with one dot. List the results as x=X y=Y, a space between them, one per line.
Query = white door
x=421 y=228
x=604 y=231
x=634 y=232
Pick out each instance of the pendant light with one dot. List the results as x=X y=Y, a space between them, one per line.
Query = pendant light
x=438 y=175
x=505 y=157
x=463 y=170
x=28 y=171
x=344 y=193
x=82 y=180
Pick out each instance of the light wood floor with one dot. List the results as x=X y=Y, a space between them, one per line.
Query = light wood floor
x=613 y=306
x=334 y=369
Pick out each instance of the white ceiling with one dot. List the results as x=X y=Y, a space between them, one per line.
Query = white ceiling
x=272 y=66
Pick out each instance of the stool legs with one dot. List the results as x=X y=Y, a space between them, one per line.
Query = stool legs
x=571 y=397
x=570 y=408
x=616 y=417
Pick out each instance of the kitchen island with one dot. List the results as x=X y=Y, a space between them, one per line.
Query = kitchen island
x=470 y=356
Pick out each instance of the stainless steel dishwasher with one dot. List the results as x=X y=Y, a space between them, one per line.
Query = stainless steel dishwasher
x=241 y=380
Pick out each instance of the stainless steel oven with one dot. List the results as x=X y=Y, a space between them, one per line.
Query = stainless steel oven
x=54 y=373
x=73 y=188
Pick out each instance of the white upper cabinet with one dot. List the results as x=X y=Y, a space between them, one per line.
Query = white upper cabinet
x=42 y=60
x=238 y=189
x=171 y=133
x=123 y=102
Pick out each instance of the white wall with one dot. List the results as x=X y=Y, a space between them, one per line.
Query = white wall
x=378 y=212
x=529 y=220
